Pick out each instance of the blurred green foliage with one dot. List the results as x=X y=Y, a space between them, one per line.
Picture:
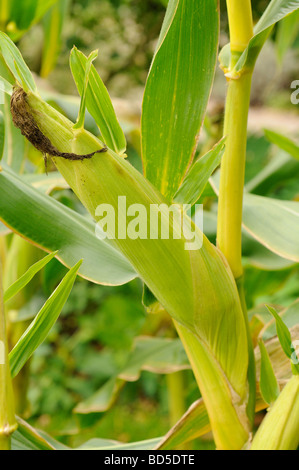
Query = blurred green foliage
x=124 y=31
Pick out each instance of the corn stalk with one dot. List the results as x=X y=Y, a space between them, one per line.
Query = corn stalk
x=7 y=414
x=229 y=231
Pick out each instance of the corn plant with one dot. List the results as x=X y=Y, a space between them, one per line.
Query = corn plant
x=198 y=284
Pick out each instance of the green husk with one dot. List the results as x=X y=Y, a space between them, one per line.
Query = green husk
x=196 y=287
x=280 y=428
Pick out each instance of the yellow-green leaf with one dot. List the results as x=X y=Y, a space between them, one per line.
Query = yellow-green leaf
x=199 y=174
x=98 y=102
x=283 y=142
x=26 y=278
x=39 y=328
x=268 y=383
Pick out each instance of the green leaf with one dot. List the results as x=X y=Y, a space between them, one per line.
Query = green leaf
x=52 y=25
x=199 y=174
x=28 y=438
x=98 y=102
x=195 y=423
x=268 y=384
x=46 y=183
x=15 y=62
x=280 y=362
x=40 y=327
x=42 y=7
x=26 y=278
x=283 y=143
x=285 y=339
x=81 y=117
x=105 y=444
x=286 y=34
x=290 y=317
x=177 y=91
x=157 y=355
x=276 y=11
x=50 y=225
x=256 y=255
x=23 y=13
x=280 y=428
x=280 y=168
x=5 y=86
x=274 y=223
x=103 y=399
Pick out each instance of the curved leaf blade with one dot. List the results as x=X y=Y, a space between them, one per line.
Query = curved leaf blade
x=283 y=142
x=98 y=102
x=274 y=223
x=15 y=62
x=268 y=383
x=287 y=31
x=56 y=227
x=28 y=438
x=280 y=428
x=285 y=338
x=199 y=174
x=26 y=278
x=157 y=355
x=104 y=444
x=290 y=317
x=39 y=328
x=195 y=423
x=177 y=91
x=81 y=116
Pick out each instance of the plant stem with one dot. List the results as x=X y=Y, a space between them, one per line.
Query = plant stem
x=7 y=414
x=240 y=26
x=176 y=400
x=5 y=443
x=229 y=230
x=175 y=386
